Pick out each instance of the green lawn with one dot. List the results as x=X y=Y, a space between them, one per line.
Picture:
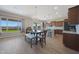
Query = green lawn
x=10 y=30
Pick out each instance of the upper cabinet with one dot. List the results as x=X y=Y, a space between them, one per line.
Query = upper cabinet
x=73 y=15
x=57 y=23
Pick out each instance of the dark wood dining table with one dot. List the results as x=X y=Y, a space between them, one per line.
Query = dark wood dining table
x=36 y=33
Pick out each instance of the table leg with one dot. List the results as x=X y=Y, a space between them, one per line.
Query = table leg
x=36 y=40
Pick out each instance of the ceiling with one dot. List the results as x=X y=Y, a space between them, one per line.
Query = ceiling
x=41 y=12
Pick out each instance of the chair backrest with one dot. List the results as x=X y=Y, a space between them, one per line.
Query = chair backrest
x=44 y=33
x=29 y=29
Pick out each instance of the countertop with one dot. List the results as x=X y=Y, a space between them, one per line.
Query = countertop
x=56 y=28
x=70 y=32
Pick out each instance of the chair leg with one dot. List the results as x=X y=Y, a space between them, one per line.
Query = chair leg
x=40 y=40
x=41 y=43
x=45 y=41
x=31 y=43
x=36 y=42
x=25 y=37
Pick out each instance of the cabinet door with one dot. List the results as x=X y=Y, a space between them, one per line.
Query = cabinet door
x=73 y=15
x=78 y=17
x=69 y=39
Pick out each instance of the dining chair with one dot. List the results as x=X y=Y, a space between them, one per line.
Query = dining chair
x=36 y=33
x=42 y=37
x=28 y=29
x=30 y=37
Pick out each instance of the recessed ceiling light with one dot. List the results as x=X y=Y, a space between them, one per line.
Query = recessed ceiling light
x=56 y=13
x=55 y=7
x=35 y=6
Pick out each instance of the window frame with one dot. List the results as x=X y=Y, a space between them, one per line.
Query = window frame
x=7 y=27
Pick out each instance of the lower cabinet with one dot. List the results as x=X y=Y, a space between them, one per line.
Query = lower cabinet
x=71 y=41
x=58 y=31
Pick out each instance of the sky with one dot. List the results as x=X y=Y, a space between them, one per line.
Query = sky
x=4 y=23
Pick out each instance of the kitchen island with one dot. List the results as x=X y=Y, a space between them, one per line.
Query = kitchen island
x=71 y=40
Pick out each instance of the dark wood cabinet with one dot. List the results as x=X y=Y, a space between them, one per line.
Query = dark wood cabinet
x=71 y=41
x=66 y=20
x=57 y=23
x=58 y=31
x=73 y=15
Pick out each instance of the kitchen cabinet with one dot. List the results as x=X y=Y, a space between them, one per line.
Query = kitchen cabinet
x=58 y=31
x=73 y=15
x=71 y=41
x=57 y=23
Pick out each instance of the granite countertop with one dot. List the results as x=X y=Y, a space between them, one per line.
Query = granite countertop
x=70 y=32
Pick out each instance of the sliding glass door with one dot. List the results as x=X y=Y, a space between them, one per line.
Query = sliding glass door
x=10 y=25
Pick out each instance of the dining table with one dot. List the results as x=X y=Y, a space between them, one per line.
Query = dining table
x=36 y=33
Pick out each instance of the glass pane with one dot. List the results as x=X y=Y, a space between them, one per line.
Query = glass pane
x=12 y=24
x=3 y=25
x=20 y=24
x=0 y=22
x=0 y=26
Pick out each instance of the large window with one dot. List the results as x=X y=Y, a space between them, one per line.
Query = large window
x=3 y=24
x=10 y=25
